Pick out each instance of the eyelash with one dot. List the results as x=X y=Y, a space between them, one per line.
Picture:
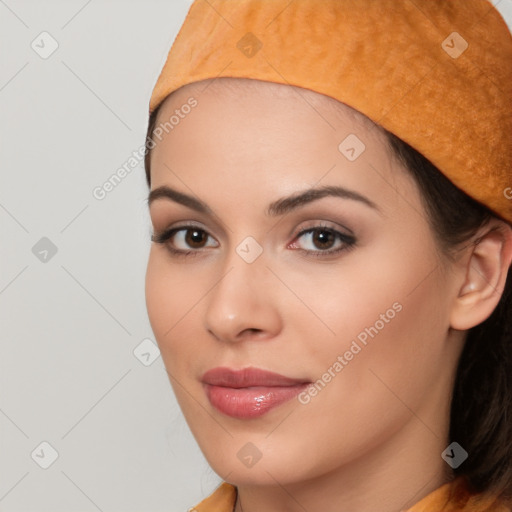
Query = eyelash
x=348 y=240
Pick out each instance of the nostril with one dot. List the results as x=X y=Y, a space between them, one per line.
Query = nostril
x=250 y=332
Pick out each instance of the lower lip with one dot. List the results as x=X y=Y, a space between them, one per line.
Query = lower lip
x=252 y=402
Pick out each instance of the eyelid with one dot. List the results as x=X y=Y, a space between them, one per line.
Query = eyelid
x=295 y=233
x=327 y=224
x=170 y=231
x=170 y=210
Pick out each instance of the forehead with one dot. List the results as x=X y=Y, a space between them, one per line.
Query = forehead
x=248 y=139
x=263 y=120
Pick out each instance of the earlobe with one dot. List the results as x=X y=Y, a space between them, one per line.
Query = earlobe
x=485 y=274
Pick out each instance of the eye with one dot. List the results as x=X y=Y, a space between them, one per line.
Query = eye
x=184 y=240
x=191 y=238
x=323 y=240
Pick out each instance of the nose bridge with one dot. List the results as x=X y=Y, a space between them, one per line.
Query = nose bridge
x=244 y=265
x=239 y=300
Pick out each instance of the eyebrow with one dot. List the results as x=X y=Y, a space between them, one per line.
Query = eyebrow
x=277 y=208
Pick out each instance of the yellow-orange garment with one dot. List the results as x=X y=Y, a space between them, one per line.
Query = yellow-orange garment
x=436 y=73
x=450 y=497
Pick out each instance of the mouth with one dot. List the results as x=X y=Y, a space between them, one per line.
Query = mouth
x=249 y=392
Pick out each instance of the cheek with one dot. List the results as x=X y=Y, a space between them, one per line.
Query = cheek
x=159 y=302
x=171 y=296
x=394 y=358
x=170 y=299
x=386 y=315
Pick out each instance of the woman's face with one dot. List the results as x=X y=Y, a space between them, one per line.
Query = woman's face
x=343 y=290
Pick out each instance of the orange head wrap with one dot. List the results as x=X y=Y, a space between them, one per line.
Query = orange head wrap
x=436 y=73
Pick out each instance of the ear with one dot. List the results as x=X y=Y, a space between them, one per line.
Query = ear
x=484 y=275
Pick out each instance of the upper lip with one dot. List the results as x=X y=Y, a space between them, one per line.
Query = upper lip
x=247 y=377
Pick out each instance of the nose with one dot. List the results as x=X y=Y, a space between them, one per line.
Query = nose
x=244 y=304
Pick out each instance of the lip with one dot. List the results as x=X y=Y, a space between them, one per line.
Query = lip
x=249 y=392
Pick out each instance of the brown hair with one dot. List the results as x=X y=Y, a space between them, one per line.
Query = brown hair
x=481 y=407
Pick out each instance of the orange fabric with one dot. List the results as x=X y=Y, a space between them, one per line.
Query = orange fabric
x=436 y=73
x=221 y=500
x=450 y=497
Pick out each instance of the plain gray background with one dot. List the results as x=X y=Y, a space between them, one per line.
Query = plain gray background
x=79 y=368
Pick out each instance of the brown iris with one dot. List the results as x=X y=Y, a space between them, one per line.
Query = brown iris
x=195 y=238
x=323 y=238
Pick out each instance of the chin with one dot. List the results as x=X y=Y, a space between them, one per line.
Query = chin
x=258 y=462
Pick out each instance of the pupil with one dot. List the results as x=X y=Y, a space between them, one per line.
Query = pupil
x=324 y=237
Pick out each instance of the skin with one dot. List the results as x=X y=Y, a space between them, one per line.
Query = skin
x=372 y=438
